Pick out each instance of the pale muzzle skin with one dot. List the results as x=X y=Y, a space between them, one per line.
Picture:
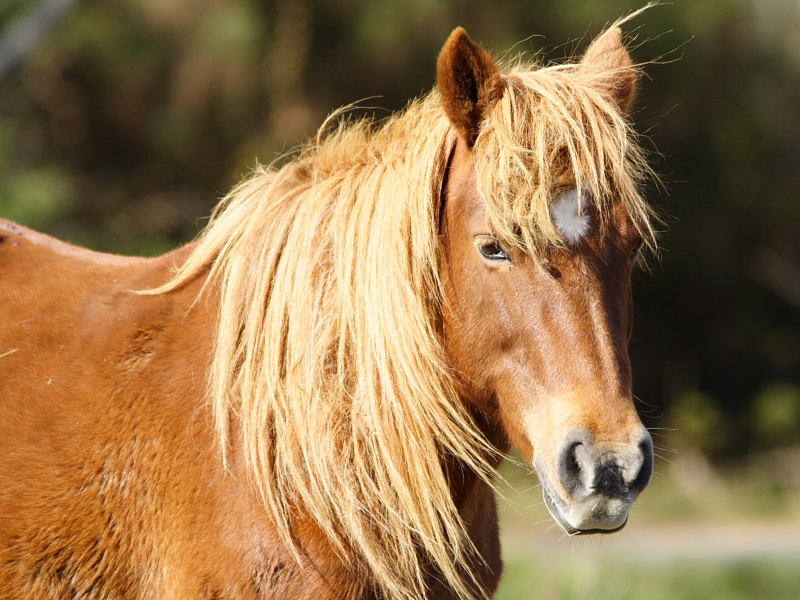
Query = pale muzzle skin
x=549 y=361
x=589 y=486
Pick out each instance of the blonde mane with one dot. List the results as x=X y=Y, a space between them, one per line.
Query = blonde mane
x=327 y=355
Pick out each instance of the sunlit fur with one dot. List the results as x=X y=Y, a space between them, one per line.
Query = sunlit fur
x=327 y=354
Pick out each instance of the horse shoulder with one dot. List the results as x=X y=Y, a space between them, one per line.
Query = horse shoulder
x=111 y=483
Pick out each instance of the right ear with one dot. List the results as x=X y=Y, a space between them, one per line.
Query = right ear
x=609 y=64
x=469 y=82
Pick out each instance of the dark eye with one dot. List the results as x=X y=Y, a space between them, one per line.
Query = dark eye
x=636 y=251
x=492 y=250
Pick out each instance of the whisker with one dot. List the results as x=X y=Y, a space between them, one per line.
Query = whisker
x=666 y=460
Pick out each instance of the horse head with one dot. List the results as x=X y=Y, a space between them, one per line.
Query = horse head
x=536 y=276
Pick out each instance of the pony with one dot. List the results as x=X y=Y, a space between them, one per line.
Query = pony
x=310 y=401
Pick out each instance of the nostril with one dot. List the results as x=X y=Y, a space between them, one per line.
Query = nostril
x=646 y=470
x=569 y=467
x=572 y=464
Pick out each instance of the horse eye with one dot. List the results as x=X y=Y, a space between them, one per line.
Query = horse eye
x=492 y=250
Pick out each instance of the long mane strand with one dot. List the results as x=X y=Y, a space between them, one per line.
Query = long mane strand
x=327 y=360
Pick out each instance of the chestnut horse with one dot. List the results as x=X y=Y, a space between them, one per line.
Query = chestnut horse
x=309 y=401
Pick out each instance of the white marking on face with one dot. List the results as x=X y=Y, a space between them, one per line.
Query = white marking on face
x=566 y=211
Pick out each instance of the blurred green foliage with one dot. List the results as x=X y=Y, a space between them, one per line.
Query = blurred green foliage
x=699 y=424
x=776 y=412
x=126 y=124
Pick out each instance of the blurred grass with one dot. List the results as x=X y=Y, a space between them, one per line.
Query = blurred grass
x=596 y=578
x=687 y=494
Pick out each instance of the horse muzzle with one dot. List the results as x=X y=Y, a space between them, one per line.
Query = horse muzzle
x=595 y=483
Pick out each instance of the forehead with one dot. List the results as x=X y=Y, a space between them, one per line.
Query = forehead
x=572 y=211
x=571 y=215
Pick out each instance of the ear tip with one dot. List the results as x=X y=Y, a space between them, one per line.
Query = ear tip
x=608 y=51
x=615 y=33
x=458 y=38
x=610 y=39
x=458 y=35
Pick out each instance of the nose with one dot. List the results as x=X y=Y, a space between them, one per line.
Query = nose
x=614 y=471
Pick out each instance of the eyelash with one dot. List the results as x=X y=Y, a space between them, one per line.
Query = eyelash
x=492 y=250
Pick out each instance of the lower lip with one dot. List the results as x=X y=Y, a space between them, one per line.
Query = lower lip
x=556 y=514
x=605 y=531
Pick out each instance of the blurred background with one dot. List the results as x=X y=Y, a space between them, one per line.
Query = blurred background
x=123 y=121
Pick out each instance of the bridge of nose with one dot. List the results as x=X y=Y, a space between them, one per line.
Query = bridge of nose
x=586 y=317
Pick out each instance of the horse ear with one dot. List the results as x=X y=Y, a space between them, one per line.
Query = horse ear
x=609 y=64
x=469 y=82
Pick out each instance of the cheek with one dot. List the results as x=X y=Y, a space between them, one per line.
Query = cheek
x=478 y=327
x=490 y=324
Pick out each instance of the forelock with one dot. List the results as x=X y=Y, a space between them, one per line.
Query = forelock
x=550 y=132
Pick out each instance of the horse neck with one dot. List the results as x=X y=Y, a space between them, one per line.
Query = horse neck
x=464 y=482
